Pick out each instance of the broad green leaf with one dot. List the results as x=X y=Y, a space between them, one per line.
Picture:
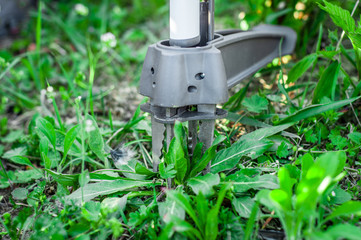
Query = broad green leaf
x=355 y=39
x=344 y=231
x=64 y=179
x=181 y=168
x=47 y=129
x=175 y=154
x=106 y=175
x=70 y=138
x=197 y=154
x=47 y=162
x=20 y=151
x=255 y=104
x=263 y=197
x=234 y=117
x=314 y=110
x=229 y=157
x=27 y=176
x=182 y=201
x=73 y=179
x=355 y=137
x=202 y=209
x=175 y=151
x=178 y=130
x=282 y=150
x=219 y=139
x=170 y=208
x=20 y=193
x=114 y=204
x=301 y=67
x=91 y=211
x=340 y=17
x=44 y=147
x=346 y=209
x=251 y=222
x=129 y=169
x=242 y=183
x=339 y=196
x=94 y=190
x=281 y=200
x=22 y=161
x=306 y=163
x=332 y=162
x=243 y=206
x=204 y=184
x=294 y=171
x=326 y=86
x=184 y=227
x=286 y=182
x=167 y=172
x=328 y=54
x=319 y=177
x=211 y=230
x=203 y=162
x=95 y=138
x=75 y=148
x=339 y=231
x=44 y=150
x=310 y=189
x=265 y=132
x=141 y=169
x=13 y=136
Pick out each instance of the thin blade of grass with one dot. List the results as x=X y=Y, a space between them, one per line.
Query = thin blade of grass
x=314 y=110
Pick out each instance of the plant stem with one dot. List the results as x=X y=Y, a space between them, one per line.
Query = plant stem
x=81 y=122
x=39 y=84
x=6 y=174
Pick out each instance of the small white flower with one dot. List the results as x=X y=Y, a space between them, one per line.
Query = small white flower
x=109 y=40
x=50 y=89
x=79 y=98
x=89 y=126
x=333 y=194
x=281 y=5
x=117 y=10
x=81 y=9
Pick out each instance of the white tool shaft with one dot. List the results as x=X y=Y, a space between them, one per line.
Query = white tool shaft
x=184 y=20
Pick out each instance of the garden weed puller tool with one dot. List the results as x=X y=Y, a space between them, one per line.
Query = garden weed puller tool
x=186 y=76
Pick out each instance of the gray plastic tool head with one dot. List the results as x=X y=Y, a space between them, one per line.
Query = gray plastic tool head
x=244 y=53
x=176 y=77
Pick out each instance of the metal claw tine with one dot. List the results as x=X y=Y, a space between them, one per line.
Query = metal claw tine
x=206 y=131
x=206 y=135
x=157 y=142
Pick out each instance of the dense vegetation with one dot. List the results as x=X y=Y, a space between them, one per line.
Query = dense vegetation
x=286 y=161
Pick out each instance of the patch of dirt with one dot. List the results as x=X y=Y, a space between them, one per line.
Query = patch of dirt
x=123 y=101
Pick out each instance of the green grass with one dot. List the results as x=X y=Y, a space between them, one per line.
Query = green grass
x=286 y=159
